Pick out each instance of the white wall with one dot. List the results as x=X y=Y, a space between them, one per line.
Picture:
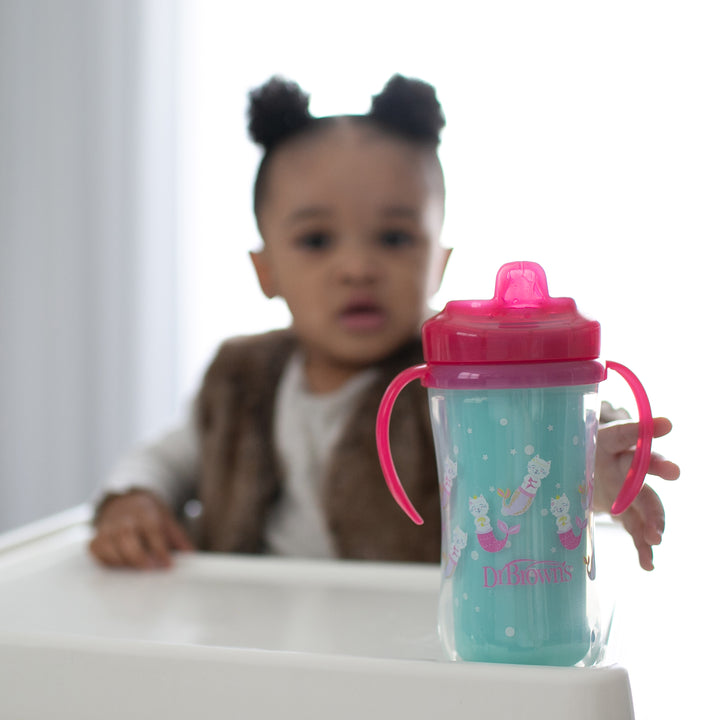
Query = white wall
x=87 y=243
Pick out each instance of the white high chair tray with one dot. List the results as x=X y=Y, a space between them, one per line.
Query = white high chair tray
x=228 y=636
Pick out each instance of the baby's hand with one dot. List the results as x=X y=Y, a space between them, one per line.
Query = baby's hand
x=645 y=518
x=137 y=530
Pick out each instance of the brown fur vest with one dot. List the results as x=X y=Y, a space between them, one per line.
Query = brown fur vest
x=241 y=476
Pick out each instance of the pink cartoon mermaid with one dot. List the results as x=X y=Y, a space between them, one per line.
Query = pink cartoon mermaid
x=521 y=500
x=560 y=508
x=479 y=509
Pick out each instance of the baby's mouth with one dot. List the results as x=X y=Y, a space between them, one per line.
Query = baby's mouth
x=362 y=315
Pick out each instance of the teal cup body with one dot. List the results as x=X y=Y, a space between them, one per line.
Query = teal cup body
x=516 y=483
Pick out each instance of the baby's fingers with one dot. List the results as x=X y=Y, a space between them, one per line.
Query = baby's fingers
x=662 y=468
x=177 y=536
x=645 y=521
x=620 y=436
x=133 y=548
x=661 y=426
x=649 y=508
x=104 y=550
x=633 y=523
x=158 y=548
x=129 y=543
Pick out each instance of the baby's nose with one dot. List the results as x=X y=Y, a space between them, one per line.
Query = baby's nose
x=357 y=262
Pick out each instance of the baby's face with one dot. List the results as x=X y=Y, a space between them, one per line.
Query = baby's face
x=351 y=222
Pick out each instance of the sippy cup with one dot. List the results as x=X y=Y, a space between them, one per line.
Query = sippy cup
x=512 y=385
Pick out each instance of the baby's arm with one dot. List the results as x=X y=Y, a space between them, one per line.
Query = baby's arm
x=645 y=518
x=134 y=523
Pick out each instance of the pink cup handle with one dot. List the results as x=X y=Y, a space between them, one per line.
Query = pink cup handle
x=633 y=480
x=382 y=437
x=641 y=459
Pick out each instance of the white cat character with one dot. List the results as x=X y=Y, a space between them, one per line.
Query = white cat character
x=459 y=542
x=521 y=500
x=478 y=506
x=560 y=508
x=447 y=482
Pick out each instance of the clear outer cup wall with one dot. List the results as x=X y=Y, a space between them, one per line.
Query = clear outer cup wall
x=516 y=478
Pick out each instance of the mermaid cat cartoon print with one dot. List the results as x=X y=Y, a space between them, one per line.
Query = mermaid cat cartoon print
x=459 y=542
x=560 y=508
x=447 y=482
x=479 y=509
x=521 y=500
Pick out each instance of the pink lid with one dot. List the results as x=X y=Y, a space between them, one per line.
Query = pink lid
x=522 y=323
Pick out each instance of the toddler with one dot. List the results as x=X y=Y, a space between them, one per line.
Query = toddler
x=280 y=452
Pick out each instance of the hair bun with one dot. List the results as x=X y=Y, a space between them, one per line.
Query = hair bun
x=278 y=109
x=409 y=107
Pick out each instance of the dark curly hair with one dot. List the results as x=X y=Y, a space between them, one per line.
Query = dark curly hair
x=279 y=110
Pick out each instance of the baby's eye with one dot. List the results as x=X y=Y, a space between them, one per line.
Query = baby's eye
x=396 y=238
x=316 y=240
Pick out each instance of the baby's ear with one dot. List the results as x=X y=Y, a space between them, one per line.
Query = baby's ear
x=264 y=271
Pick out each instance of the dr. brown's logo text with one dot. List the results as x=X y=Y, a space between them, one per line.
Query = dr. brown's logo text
x=528 y=572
